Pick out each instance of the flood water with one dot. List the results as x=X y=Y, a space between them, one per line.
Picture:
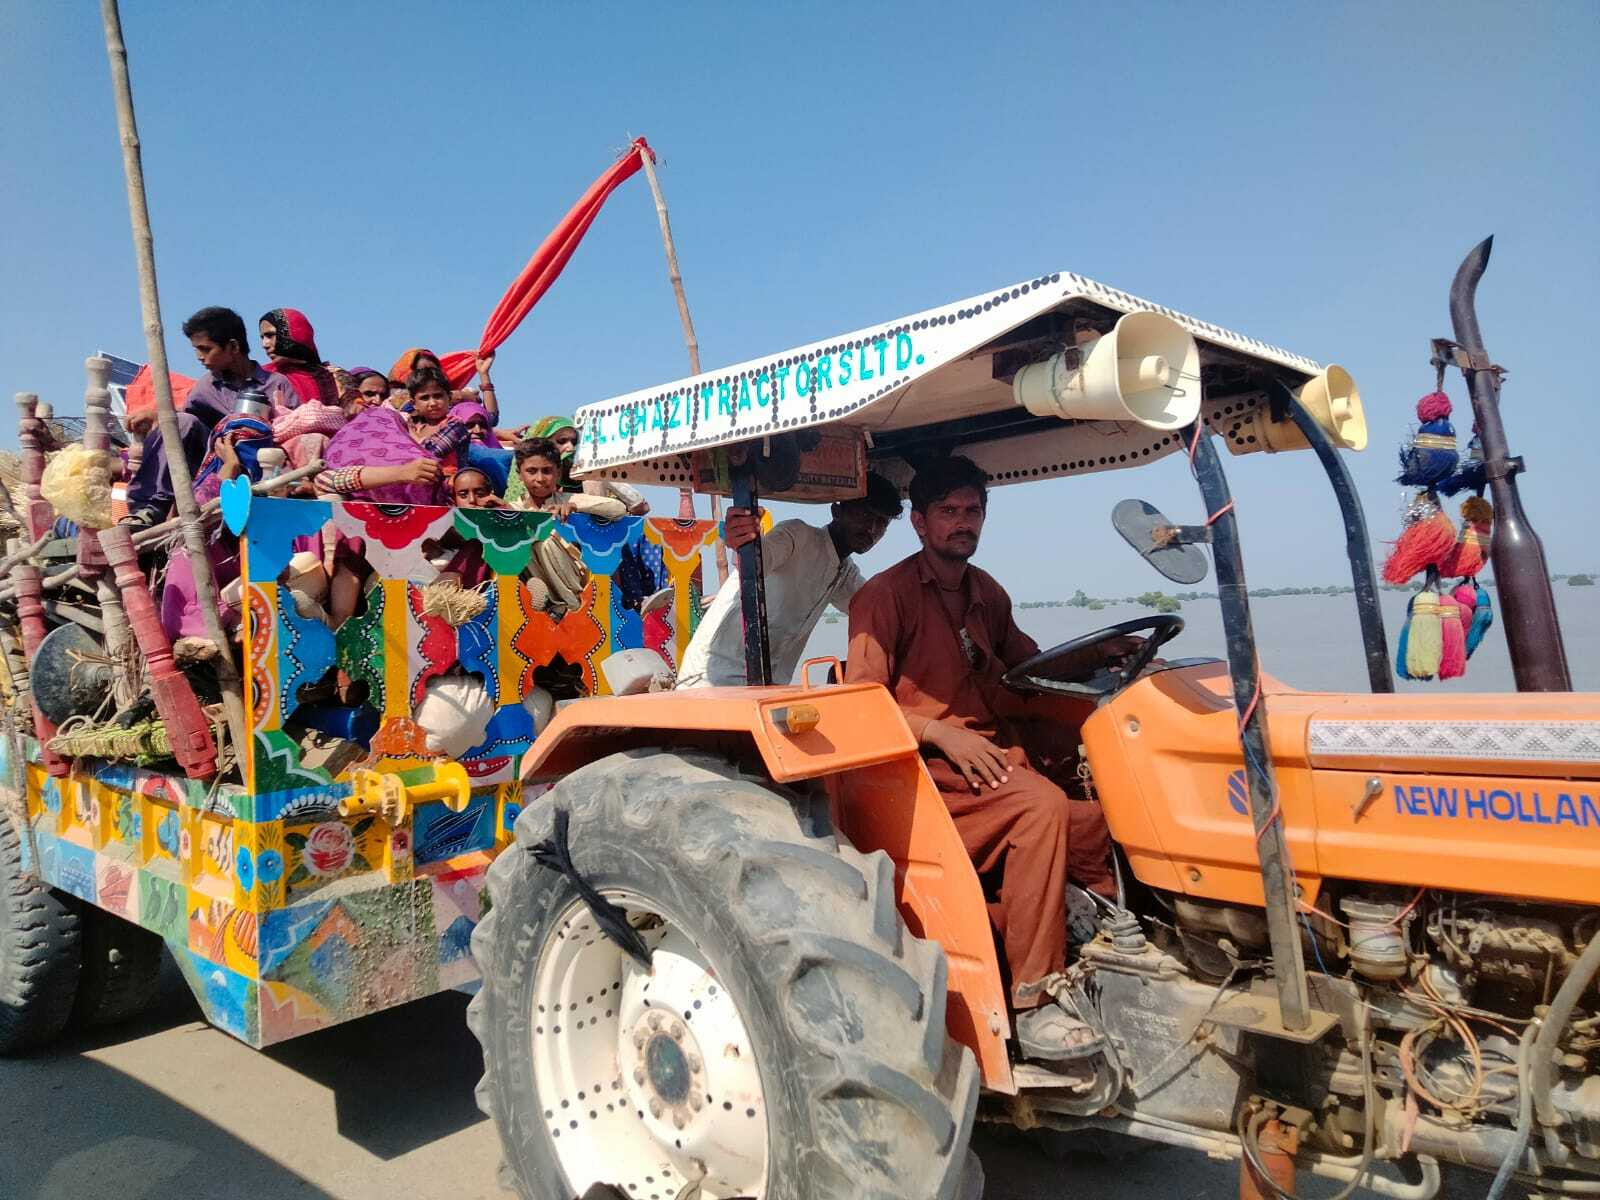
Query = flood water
x=1313 y=642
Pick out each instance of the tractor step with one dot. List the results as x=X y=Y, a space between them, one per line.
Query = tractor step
x=1257 y=1013
x=1077 y=1076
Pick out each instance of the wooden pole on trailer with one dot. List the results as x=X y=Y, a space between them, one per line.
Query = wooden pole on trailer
x=691 y=343
x=120 y=645
x=194 y=536
x=25 y=575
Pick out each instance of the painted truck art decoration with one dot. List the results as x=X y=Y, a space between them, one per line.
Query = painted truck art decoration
x=285 y=915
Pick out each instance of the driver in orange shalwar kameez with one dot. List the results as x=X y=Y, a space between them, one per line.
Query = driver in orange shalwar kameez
x=939 y=634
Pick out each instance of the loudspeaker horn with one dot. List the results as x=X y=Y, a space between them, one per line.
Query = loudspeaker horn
x=1334 y=402
x=1147 y=369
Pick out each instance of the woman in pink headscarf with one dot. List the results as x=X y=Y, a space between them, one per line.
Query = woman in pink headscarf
x=289 y=341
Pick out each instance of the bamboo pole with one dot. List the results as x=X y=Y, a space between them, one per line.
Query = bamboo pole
x=690 y=342
x=26 y=552
x=194 y=537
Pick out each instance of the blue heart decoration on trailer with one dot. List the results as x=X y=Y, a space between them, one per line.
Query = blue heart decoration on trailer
x=236 y=497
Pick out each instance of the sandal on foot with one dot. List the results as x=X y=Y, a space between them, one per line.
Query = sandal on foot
x=1051 y=1034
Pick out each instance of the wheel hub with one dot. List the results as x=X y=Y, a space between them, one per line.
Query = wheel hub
x=668 y=1067
x=688 y=1064
x=686 y=1103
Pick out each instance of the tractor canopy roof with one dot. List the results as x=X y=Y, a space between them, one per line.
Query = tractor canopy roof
x=937 y=381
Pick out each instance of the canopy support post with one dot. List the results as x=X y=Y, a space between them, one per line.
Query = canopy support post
x=1358 y=547
x=752 y=579
x=1244 y=668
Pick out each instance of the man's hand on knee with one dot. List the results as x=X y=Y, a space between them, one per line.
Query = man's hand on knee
x=978 y=759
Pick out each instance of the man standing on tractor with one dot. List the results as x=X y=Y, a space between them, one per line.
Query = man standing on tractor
x=805 y=568
x=939 y=634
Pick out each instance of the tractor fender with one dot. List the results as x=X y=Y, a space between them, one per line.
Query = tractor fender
x=856 y=725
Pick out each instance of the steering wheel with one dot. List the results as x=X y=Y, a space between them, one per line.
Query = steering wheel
x=1035 y=677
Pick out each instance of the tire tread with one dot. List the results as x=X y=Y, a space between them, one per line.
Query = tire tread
x=40 y=936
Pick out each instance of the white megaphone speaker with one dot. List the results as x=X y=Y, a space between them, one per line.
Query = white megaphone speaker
x=1334 y=402
x=1147 y=369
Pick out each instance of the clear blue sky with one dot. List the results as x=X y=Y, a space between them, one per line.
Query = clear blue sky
x=1310 y=175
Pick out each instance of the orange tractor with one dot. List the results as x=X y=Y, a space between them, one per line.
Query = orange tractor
x=737 y=949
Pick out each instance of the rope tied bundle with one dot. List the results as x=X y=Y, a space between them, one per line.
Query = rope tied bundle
x=142 y=743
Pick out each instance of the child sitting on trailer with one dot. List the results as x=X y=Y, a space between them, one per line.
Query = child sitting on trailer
x=557 y=562
x=463 y=563
x=564 y=435
x=539 y=466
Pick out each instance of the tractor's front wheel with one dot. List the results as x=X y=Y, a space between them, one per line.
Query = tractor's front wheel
x=787 y=1040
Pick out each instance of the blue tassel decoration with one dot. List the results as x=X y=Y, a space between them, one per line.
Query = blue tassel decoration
x=1431 y=456
x=1482 y=612
x=1469 y=475
x=1403 y=645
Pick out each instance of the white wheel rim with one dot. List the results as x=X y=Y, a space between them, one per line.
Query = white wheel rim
x=648 y=1079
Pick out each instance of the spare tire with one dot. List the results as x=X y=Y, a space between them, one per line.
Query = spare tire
x=787 y=1040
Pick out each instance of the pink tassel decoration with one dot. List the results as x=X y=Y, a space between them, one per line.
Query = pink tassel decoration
x=1433 y=407
x=1453 y=635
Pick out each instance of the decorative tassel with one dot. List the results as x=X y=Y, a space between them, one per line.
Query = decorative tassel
x=1424 y=642
x=1427 y=540
x=1431 y=456
x=1469 y=475
x=1474 y=597
x=1471 y=550
x=1403 y=644
x=1453 y=639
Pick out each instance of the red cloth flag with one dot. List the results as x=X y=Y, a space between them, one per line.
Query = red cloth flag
x=546 y=265
x=140 y=395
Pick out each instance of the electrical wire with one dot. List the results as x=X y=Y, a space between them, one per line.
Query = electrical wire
x=1466 y=1103
x=1316 y=945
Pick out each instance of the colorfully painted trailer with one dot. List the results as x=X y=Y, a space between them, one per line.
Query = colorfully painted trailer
x=285 y=915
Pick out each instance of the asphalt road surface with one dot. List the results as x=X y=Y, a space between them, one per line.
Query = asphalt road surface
x=168 y=1108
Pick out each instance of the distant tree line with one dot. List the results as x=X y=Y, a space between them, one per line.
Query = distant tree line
x=1163 y=602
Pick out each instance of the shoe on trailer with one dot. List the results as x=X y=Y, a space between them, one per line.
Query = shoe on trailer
x=1051 y=1034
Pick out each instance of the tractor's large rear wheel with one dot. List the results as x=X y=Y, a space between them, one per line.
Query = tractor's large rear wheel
x=787 y=1041
x=39 y=951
